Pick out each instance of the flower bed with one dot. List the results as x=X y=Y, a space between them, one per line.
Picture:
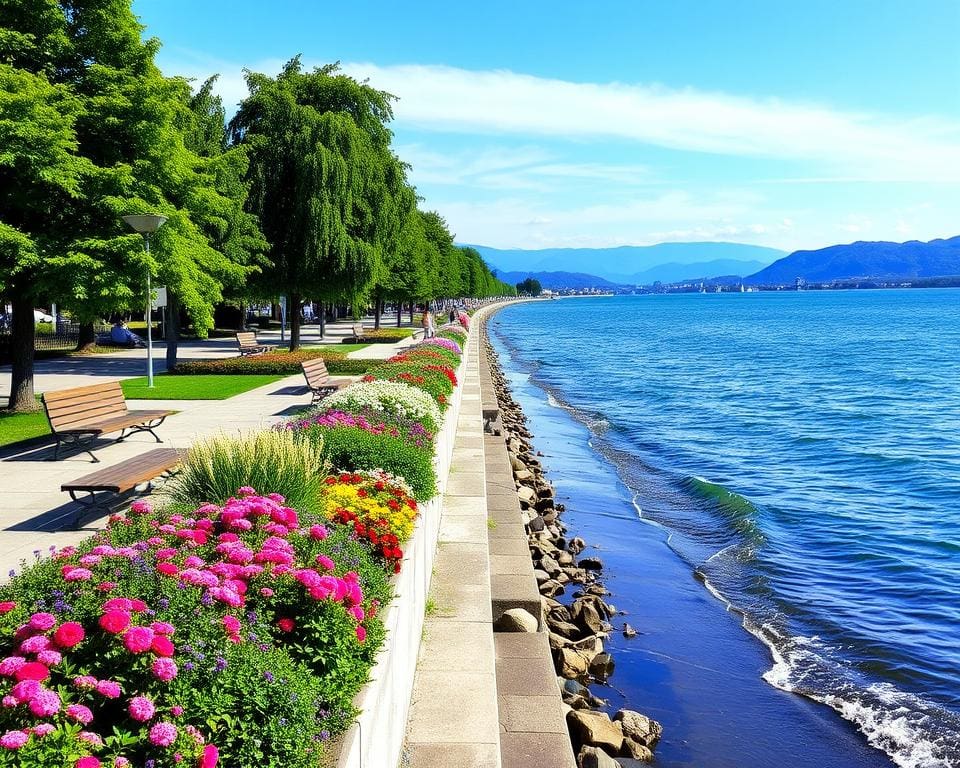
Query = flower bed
x=381 y=335
x=239 y=632
x=279 y=363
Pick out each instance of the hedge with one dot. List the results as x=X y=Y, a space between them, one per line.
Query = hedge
x=280 y=363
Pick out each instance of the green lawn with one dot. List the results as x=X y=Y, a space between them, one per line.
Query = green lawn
x=15 y=427
x=338 y=348
x=212 y=387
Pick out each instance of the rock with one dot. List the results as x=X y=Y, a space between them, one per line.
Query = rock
x=591 y=563
x=634 y=754
x=526 y=495
x=557 y=641
x=540 y=575
x=565 y=629
x=523 y=474
x=516 y=464
x=576 y=546
x=601 y=666
x=537 y=523
x=591 y=757
x=576 y=575
x=628 y=631
x=639 y=727
x=590 y=647
x=563 y=558
x=516 y=620
x=573 y=687
x=595 y=729
x=570 y=663
x=550 y=565
x=585 y=615
x=551 y=588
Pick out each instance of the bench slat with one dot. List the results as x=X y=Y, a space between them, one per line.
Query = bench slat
x=78 y=410
x=127 y=474
x=67 y=394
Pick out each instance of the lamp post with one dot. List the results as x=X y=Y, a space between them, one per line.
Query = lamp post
x=146 y=224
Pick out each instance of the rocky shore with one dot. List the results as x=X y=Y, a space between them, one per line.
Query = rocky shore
x=574 y=608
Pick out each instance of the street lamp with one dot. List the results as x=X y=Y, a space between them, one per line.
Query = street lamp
x=146 y=224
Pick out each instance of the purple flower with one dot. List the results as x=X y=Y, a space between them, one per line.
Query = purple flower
x=268 y=676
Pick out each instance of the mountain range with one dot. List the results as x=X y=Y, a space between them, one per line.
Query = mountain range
x=637 y=264
x=863 y=259
x=576 y=268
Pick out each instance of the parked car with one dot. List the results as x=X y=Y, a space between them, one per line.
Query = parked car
x=39 y=316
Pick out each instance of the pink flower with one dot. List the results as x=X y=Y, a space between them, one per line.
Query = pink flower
x=90 y=738
x=266 y=592
x=80 y=713
x=162 y=628
x=11 y=664
x=6 y=606
x=141 y=709
x=325 y=562
x=361 y=633
x=42 y=621
x=79 y=574
x=108 y=689
x=45 y=703
x=163 y=734
x=194 y=562
x=50 y=658
x=121 y=762
x=43 y=729
x=246 y=490
x=25 y=690
x=141 y=508
x=9 y=701
x=164 y=669
x=14 y=739
x=34 y=644
x=138 y=639
x=69 y=634
x=210 y=757
x=115 y=621
x=118 y=604
x=176 y=710
x=85 y=681
x=91 y=559
x=167 y=569
x=162 y=646
x=87 y=762
x=136 y=604
x=231 y=624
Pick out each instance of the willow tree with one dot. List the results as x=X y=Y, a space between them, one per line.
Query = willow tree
x=324 y=184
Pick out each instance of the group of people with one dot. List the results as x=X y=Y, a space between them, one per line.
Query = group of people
x=429 y=324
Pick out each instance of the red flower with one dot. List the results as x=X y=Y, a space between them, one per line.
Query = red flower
x=32 y=670
x=162 y=646
x=7 y=606
x=167 y=569
x=68 y=634
x=287 y=625
x=115 y=622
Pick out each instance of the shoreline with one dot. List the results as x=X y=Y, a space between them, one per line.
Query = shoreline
x=578 y=628
x=693 y=666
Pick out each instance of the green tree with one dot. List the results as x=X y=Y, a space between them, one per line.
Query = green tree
x=531 y=286
x=329 y=193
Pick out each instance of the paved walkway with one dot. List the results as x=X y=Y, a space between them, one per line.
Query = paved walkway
x=453 y=717
x=35 y=509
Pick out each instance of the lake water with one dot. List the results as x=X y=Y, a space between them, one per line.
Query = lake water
x=774 y=482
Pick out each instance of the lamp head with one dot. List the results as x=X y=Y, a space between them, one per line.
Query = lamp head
x=145 y=223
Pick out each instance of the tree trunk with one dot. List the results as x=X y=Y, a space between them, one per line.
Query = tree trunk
x=171 y=322
x=87 y=337
x=323 y=318
x=293 y=310
x=411 y=311
x=22 y=340
x=399 y=313
x=377 y=309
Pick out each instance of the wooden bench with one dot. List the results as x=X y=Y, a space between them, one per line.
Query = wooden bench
x=120 y=478
x=318 y=379
x=358 y=331
x=248 y=344
x=80 y=415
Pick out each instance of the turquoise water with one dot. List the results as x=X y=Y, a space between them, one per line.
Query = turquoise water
x=801 y=453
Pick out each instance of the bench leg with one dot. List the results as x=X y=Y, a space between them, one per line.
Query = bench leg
x=124 y=434
x=79 y=440
x=87 y=506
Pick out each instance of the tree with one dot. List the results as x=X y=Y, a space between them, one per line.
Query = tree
x=329 y=193
x=116 y=146
x=531 y=286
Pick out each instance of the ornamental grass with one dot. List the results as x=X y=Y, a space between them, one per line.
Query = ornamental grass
x=214 y=468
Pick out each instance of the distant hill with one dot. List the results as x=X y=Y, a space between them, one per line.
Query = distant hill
x=675 y=273
x=557 y=281
x=624 y=263
x=862 y=259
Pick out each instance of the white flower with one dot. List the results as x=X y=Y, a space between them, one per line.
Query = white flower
x=392 y=397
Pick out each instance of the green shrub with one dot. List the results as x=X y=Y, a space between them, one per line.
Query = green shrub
x=215 y=468
x=279 y=363
x=353 y=448
x=381 y=335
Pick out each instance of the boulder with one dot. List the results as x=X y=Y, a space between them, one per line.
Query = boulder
x=537 y=523
x=564 y=558
x=634 y=754
x=576 y=545
x=585 y=615
x=639 y=727
x=595 y=729
x=557 y=641
x=601 y=666
x=591 y=563
x=522 y=475
x=551 y=588
x=550 y=565
x=526 y=495
x=540 y=575
x=628 y=631
x=570 y=663
x=591 y=757
x=565 y=629
x=516 y=620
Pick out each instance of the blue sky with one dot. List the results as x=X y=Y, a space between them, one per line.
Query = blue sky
x=534 y=124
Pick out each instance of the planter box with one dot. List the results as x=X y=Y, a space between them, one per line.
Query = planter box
x=375 y=740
